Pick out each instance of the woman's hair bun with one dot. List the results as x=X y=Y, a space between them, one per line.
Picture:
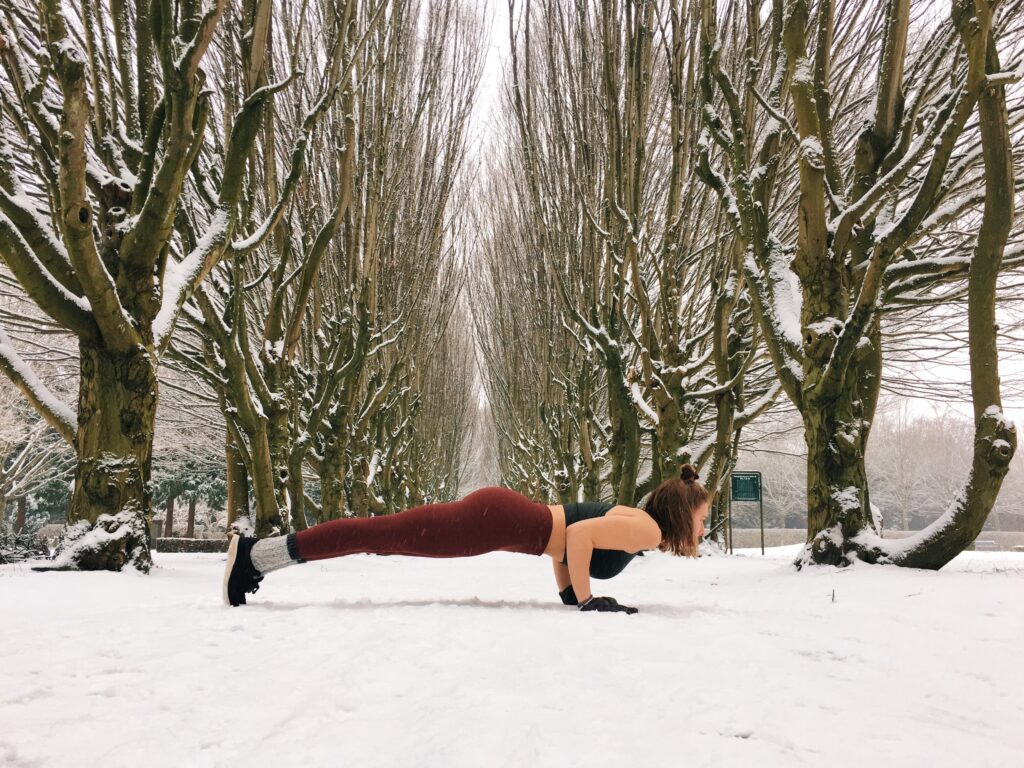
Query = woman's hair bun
x=688 y=473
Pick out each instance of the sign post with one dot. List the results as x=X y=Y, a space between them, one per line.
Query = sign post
x=746 y=486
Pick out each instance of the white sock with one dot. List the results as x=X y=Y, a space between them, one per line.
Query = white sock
x=273 y=553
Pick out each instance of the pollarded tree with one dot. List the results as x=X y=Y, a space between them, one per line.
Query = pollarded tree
x=111 y=105
x=823 y=265
x=245 y=336
x=431 y=449
x=397 y=257
x=542 y=386
x=639 y=256
x=314 y=332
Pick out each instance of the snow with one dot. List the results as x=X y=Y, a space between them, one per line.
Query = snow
x=803 y=72
x=29 y=254
x=274 y=349
x=828 y=325
x=28 y=376
x=82 y=535
x=786 y=299
x=940 y=215
x=182 y=276
x=811 y=152
x=374 y=466
x=638 y=399
x=383 y=661
x=847 y=498
x=1005 y=78
x=770 y=394
x=70 y=50
x=996 y=413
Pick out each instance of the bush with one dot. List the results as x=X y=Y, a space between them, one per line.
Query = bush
x=15 y=547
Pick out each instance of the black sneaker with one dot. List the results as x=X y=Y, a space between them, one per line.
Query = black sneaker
x=239 y=574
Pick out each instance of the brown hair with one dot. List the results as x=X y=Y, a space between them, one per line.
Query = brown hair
x=671 y=505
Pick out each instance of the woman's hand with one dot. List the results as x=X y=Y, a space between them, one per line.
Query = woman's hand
x=605 y=605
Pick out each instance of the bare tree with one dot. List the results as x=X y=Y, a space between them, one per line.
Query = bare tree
x=870 y=201
x=121 y=138
x=613 y=239
x=372 y=451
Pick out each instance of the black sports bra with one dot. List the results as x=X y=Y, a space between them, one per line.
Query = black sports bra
x=604 y=563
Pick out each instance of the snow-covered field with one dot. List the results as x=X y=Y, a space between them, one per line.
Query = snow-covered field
x=394 y=661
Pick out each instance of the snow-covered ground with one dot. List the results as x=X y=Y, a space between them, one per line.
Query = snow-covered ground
x=395 y=661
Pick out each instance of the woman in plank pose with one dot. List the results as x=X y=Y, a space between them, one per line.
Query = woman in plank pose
x=584 y=540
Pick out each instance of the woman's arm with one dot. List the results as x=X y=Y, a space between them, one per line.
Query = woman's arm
x=562 y=578
x=579 y=547
x=625 y=532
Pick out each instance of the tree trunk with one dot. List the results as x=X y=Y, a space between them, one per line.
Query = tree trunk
x=116 y=411
x=838 y=506
x=333 y=470
x=237 y=482
x=267 y=484
x=360 y=489
x=838 y=501
x=279 y=437
x=995 y=436
x=722 y=462
x=19 y=521
x=297 y=491
x=592 y=462
x=190 y=531
x=624 y=446
x=169 y=517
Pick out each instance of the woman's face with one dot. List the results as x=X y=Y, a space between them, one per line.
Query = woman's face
x=700 y=515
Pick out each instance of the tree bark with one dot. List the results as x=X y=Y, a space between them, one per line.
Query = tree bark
x=169 y=517
x=332 y=473
x=237 y=482
x=995 y=436
x=116 y=412
x=837 y=486
x=19 y=521
x=268 y=484
x=190 y=530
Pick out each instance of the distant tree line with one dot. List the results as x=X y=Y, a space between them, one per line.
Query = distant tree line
x=915 y=466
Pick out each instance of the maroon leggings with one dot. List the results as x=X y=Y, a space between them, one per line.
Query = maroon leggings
x=487 y=520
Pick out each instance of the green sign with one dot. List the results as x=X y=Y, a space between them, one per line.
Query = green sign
x=746 y=486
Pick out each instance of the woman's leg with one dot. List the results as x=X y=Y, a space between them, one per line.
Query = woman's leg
x=487 y=520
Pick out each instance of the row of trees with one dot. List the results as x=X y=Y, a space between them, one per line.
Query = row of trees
x=255 y=198
x=693 y=212
x=716 y=206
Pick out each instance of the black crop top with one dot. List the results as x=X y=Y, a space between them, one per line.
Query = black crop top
x=604 y=563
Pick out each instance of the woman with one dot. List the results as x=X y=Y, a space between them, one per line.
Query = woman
x=584 y=540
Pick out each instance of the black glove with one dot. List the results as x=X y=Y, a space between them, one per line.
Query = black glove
x=568 y=596
x=605 y=604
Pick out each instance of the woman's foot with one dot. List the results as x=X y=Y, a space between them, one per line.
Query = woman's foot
x=240 y=576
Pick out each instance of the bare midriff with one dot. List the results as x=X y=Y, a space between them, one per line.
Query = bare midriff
x=556 y=544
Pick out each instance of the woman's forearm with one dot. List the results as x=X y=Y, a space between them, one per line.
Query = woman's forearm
x=579 y=548
x=562 y=578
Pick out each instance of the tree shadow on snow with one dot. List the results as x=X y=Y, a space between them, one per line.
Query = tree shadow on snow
x=347 y=605
x=651 y=609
